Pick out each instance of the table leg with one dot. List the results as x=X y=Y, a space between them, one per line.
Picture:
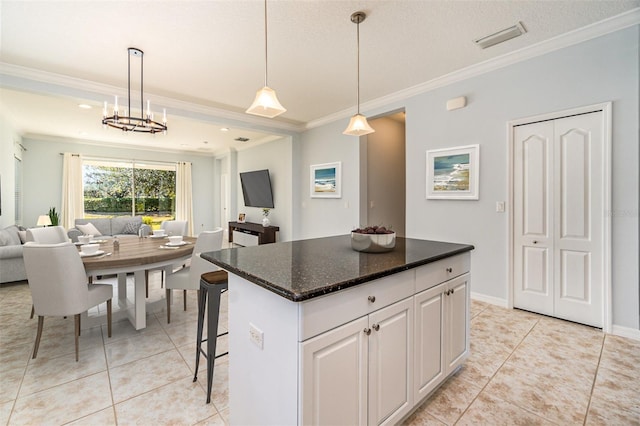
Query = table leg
x=138 y=315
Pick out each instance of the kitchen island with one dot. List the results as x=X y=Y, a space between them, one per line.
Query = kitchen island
x=322 y=334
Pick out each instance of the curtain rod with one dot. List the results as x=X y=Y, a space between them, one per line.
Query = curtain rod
x=98 y=158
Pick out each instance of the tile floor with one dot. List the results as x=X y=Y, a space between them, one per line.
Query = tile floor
x=523 y=369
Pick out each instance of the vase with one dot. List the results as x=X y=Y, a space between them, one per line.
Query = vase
x=265 y=222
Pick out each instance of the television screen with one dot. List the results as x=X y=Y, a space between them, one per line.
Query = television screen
x=256 y=188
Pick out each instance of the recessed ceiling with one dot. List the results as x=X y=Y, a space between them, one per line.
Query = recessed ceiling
x=204 y=60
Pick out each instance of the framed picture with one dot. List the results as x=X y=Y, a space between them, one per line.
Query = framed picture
x=452 y=173
x=241 y=218
x=326 y=180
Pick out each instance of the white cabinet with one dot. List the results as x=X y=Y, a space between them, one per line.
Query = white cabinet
x=441 y=333
x=361 y=372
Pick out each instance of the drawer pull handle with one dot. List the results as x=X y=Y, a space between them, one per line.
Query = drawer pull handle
x=376 y=327
x=372 y=299
x=449 y=270
x=367 y=331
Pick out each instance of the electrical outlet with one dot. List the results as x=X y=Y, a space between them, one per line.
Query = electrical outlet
x=256 y=336
x=500 y=206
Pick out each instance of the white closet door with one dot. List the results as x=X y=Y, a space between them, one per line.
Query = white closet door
x=579 y=218
x=533 y=218
x=559 y=218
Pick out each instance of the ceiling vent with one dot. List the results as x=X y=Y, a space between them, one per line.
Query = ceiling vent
x=241 y=139
x=502 y=35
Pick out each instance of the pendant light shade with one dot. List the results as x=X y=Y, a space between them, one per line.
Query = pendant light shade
x=358 y=126
x=266 y=103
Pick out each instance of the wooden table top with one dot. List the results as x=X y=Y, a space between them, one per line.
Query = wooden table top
x=135 y=252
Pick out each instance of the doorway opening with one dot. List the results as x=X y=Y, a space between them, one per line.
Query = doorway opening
x=383 y=173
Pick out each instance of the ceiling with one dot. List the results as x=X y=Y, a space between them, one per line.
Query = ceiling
x=204 y=60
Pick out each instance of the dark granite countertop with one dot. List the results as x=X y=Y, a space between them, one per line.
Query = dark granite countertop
x=304 y=269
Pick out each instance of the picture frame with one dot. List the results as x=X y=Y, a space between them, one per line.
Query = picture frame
x=453 y=173
x=241 y=217
x=326 y=180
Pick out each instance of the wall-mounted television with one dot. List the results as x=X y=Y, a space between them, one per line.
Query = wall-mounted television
x=256 y=188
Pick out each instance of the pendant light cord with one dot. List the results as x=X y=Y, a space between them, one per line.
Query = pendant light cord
x=358 y=66
x=266 y=57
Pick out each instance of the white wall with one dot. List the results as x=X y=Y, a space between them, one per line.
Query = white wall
x=599 y=70
x=9 y=149
x=42 y=168
x=277 y=157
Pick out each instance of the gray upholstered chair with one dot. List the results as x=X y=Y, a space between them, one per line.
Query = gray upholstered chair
x=59 y=287
x=188 y=277
x=47 y=235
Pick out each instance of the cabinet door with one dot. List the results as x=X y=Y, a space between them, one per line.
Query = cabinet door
x=457 y=321
x=391 y=363
x=334 y=376
x=429 y=341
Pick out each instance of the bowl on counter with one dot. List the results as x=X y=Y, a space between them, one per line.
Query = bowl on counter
x=373 y=243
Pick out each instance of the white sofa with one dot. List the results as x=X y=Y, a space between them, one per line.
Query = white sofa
x=11 y=261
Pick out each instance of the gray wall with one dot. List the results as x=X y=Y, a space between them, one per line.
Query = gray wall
x=43 y=176
x=9 y=149
x=599 y=70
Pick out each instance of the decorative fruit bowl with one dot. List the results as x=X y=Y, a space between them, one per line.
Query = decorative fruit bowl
x=373 y=239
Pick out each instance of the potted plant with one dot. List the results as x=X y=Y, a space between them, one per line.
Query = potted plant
x=53 y=215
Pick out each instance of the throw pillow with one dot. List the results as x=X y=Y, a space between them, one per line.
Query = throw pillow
x=132 y=228
x=89 y=229
x=23 y=236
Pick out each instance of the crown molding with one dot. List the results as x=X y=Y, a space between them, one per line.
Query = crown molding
x=597 y=29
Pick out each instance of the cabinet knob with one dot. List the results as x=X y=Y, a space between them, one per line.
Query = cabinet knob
x=376 y=327
x=367 y=331
x=449 y=270
x=372 y=299
x=535 y=242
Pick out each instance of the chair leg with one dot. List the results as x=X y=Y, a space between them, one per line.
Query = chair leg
x=146 y=283
x=33 y=311
x=38 y=336
x=109 y=317
x=184 y=298
x=77 y=337
x=162 y=279
x=79 y=328
x=168 y=296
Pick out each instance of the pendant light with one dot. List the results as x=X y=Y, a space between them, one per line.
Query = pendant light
x=358 y=125
x=266 y=103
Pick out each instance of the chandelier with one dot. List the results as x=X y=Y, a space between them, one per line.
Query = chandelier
x=128 y=123
x=358 y=125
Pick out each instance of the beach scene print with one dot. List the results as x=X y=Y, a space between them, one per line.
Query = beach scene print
x=451 y=173
x=324 y=180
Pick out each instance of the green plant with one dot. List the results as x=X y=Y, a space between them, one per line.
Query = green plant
x=53 y=215
x=265 y=212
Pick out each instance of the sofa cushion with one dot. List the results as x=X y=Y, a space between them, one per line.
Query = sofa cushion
x=88 y=229
x=23 y=236
x=9 y=236
x=125 y=225
x=103 y=224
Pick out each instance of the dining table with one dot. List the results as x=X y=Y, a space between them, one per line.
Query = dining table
x=134 y=255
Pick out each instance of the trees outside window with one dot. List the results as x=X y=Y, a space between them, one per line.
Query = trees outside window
x=118 y=188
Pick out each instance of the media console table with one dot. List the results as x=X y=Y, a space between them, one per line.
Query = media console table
x=251 y=234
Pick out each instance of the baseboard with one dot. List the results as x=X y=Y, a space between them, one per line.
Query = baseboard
x=503 y=303
x=631 y=333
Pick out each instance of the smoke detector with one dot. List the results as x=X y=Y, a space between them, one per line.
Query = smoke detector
x=500 y=36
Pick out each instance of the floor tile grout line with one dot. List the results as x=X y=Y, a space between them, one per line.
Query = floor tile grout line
x=595 y=378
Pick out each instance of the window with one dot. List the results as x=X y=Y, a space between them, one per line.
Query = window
x=114 y=188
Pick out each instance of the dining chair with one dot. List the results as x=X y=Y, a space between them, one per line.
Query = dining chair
x=171 y=227
x=46 y=235
x=58 y=283
x=188 y=277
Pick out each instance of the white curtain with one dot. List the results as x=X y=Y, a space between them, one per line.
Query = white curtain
x=184 y=202
x=72 y=190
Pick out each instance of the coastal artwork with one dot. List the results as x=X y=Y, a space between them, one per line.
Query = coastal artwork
x=452 y=173
x=325 y=180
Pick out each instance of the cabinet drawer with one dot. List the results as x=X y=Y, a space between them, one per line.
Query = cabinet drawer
x=244 y=239
x=324 y=313
x=439 y=271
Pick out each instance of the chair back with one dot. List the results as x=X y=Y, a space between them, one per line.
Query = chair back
x=57 y=279
x=175 y=227
x=207 y=241
x=47 y=235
